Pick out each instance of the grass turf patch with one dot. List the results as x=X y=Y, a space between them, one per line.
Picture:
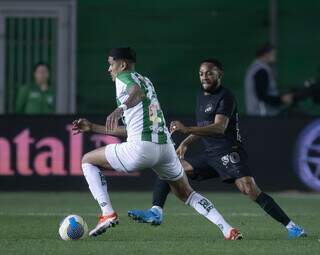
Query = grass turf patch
x=29 y=225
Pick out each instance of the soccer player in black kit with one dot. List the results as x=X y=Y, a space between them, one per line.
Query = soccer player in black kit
x=224 y=156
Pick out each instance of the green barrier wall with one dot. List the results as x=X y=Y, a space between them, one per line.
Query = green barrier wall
x=172 y=37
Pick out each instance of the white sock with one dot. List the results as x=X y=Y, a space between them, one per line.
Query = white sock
x=98 y=187
x=158 y=208
x=290 y=224
x=206 y=208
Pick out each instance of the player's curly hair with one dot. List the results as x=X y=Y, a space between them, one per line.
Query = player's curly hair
x=215 y=62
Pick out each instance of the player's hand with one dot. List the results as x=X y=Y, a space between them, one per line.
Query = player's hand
x=113 y=118
x=80 y=126
x=177 y=126
x=287 y=98
x=181 y=150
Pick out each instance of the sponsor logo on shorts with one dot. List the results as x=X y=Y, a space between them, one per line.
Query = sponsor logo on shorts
x=225 y=160
x=233 y=157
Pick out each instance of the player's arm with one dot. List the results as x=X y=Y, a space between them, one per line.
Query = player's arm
x=225 y=109
x=22 y=99
x=218 y=127
x=181 y=150
x=190 y=139
x=120 y=131
x=83 y=125
x=136 y=95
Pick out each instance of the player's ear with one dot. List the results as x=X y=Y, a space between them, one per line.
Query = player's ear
x=123 y=65
x=221 y=74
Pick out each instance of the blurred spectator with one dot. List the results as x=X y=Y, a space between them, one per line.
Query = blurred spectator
x=261 y=94
x=37 y=97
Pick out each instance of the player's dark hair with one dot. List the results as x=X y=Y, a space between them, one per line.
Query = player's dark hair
x=123 y=53
x=264 y=49
x=35 y=67
x=215 y=62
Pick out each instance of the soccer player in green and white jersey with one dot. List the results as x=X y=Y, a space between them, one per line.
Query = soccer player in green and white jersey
x=148 y=145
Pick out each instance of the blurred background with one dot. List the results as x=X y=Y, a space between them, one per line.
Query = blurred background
x=53 y=68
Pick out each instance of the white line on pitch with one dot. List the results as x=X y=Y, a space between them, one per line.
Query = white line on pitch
x=121 y=214
x=45 y=214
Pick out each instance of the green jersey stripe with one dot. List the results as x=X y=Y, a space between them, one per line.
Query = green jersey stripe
x=146 y=132
x=126 y=78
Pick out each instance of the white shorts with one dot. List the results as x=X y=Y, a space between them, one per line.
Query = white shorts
x=138 y=155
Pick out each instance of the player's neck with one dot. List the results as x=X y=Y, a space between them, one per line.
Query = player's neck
x=43 y=86
x=127 y=70
x=264 y=60
x=212 y=90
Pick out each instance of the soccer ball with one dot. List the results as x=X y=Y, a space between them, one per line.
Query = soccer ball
x=73 y=227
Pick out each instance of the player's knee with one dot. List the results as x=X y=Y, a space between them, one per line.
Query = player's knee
x=251 y=191
x=242 y=190
x=241 y=187
x=188 y=171
x=85 y=158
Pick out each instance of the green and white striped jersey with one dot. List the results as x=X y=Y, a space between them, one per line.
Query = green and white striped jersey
x=145 y=121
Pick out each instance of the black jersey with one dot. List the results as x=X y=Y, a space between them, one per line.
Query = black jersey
x=221 y=101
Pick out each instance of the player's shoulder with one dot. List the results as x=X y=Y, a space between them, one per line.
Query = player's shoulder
x=128 y=78
x=226 y=93
x=199 y=93
x=125 y=76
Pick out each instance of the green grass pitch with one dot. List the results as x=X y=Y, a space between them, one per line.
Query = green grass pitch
x=29 y=225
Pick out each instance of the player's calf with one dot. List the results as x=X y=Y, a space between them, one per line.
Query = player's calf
x=98 y=186
x=202 y=205
x=181 y=188
x=248 y=186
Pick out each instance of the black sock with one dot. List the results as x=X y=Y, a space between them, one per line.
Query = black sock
x=272 y=208
x=161 y=190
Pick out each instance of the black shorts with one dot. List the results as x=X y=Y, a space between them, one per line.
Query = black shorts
x=229 y=166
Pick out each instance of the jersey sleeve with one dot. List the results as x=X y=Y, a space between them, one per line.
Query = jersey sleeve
x=21 y=99
x=197 y=108
x=129 y=79
x=226 y=105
